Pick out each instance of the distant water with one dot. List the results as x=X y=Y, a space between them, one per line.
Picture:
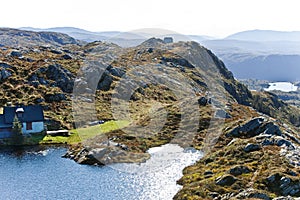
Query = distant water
x=282 y=86
x=42 y=174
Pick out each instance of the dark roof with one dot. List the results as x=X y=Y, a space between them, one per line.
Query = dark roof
x=31 y=114
x=2 y=123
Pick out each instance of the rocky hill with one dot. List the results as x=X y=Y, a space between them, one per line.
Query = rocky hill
x=178 y=92
x=17 y=38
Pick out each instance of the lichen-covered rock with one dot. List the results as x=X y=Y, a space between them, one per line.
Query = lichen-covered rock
x=226 y=180
x=62 y=77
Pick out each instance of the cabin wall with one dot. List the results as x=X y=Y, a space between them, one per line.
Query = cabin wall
x=37 y=127
x=5 y=133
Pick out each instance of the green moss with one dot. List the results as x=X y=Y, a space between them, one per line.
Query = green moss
x=82 y=134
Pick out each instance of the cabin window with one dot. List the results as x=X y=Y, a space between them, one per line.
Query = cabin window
x=29 y=126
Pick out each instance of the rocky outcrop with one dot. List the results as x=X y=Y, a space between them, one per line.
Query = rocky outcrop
x=63 y=78
x=283 y=185
x=255 y=127
x=107 y=152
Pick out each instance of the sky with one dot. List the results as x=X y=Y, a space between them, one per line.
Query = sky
x=218 y=18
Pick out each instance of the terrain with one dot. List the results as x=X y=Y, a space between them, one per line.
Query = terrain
x=256 y=54
x=165 y=93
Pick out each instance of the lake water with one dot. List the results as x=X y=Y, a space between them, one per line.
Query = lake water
x=282 y=86
x=43 y=174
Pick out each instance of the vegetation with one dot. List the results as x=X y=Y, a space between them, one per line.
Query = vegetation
x=17 y=136
x=82 y=134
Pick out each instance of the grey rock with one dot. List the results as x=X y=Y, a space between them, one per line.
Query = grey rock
x=67 y=57
x=252 y=193
x=55 y=97
x=222 y=114
x=202 y=101
x=226 y=180
x=272 y=129
x=249 y=129
x=239 y=170
x=214 y=194
x=251 y=147
x=283 y=185
x=62 y=77
x=5 y=66
x=16 y=54
x=56 y=51
x=105 y=82
x=4 y=74
x=117 y=72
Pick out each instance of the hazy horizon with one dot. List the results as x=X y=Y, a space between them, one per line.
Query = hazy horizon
x=213 y=18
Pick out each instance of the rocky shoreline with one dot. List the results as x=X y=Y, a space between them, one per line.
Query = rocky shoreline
x=258 y=159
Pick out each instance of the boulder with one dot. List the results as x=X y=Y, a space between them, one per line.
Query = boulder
x=226 y=180
x=222 y=114
x=251 y=147
x=239 y=170
x=272 y=129
x=16 y=54
x=67 y=57
x=5 y=65
x=202 y=101
x=4 y=74
x=249 y=129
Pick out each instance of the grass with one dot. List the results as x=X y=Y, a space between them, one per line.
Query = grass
x=82 y=134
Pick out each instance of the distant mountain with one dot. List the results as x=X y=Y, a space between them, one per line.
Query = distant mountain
x=265 y=35
x=273 y=67
x=15 y=38
x=125 y=39
x=260 y=54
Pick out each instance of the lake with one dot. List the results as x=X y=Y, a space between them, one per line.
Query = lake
x=41 y=173
x=282 y=86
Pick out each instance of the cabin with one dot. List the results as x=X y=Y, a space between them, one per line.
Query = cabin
x=168 y=40
x=31 y=118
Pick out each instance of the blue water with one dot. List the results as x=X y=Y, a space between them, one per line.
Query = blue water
x=43 y=174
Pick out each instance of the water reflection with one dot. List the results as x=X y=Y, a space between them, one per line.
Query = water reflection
x=41 y=173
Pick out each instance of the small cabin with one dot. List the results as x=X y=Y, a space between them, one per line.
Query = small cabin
x=168 y=40
x=31 y=118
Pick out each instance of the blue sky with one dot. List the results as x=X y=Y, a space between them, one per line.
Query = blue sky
x=202 y=17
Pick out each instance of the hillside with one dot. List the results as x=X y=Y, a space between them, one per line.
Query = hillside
x=180 y=93
x=16 y=38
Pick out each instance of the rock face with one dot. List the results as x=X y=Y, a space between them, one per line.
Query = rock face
x=62 y=77
x=255 y=127
x=283 y=185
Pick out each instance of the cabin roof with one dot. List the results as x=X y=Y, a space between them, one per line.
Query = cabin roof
x=33 y=113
